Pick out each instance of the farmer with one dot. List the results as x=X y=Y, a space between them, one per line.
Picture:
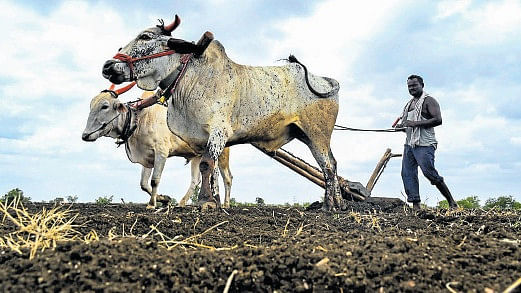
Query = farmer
x=420 y=115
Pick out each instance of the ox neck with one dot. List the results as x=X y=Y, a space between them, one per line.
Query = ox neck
x=125 y=126
x=169 y=83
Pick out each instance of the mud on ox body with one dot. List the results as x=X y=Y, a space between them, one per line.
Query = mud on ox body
x=220 y=103
x=150 y=144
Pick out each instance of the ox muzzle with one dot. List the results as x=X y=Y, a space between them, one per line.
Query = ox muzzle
x=87 y=137
x=114 y=71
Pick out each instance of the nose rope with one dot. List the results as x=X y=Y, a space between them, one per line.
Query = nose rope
x=104 y=124
x=130 y=61
x=340 y=127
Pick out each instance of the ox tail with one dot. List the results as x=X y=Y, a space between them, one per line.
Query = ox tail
x=334 y=83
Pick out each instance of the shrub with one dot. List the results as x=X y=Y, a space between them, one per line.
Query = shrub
x=502 y=203
x=72 y=198
x=104 y=200
x=259 y=201
x=471 y=202
x=444 y=204
x=15 y=194
x=233 y=202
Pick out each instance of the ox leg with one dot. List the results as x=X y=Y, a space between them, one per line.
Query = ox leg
x=214 y=147
x=224 y=168
x=194 y=182
x=327 y=162
x=215 y=186
x=205 y=194
x=145 y=176
x=159 y=165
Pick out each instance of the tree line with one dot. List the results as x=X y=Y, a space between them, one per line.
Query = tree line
x=471 y=202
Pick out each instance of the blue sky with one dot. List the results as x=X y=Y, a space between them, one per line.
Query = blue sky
x=467 y=51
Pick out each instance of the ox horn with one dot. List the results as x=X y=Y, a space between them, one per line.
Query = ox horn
x=125 y=89
x=171 y=27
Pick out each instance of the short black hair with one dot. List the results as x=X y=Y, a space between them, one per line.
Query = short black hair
x=419 y=78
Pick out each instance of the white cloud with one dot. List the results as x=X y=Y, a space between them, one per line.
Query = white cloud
x=331 y=38
x=53 y=65
x=472 y=134
x=481 y=169
x=448 y=8
x=515 y=140
x=54 y=54
x=491 y=23
x=472 y=118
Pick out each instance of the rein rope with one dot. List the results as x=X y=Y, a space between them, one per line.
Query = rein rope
x=340 y=127
x=169 y=89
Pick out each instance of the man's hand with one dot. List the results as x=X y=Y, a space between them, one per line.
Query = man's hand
x=399 y=127
x=409 y=123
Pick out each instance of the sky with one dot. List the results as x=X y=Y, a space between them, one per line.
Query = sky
x=467 y=51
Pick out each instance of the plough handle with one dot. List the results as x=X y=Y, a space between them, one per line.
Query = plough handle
x=396 y=121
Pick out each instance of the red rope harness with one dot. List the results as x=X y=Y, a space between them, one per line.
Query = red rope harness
x=152 y=100
x=160 y=97
x=184 y=60
x=130 y=61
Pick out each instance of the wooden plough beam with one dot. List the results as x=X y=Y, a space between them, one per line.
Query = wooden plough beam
x=350 y=190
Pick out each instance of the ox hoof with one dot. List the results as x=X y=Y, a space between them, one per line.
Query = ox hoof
x=208 y=205
x=329 y=208
x=150 y=207
x=329 y=204
x=164 y=199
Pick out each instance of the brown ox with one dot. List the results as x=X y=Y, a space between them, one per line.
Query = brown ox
x=150 y=144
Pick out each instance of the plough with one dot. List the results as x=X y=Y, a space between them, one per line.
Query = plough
x=350 y=190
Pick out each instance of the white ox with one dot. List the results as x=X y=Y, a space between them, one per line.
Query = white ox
x=150 y=144
x=219 y=103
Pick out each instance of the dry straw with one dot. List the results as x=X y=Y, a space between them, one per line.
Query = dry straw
x=37 y=232
x=192 y=241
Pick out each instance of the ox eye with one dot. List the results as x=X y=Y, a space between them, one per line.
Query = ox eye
x=145 y=37
x=104 y=107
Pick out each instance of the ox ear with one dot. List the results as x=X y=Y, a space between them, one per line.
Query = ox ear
x=120 y=107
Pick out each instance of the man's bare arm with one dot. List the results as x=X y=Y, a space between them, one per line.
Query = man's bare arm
x=433 y=109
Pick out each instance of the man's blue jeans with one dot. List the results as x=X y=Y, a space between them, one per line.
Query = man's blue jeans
x=413 y=157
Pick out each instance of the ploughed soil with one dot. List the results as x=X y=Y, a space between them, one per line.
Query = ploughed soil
x=367 y=248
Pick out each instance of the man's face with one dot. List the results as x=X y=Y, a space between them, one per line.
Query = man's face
x=415 y=87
